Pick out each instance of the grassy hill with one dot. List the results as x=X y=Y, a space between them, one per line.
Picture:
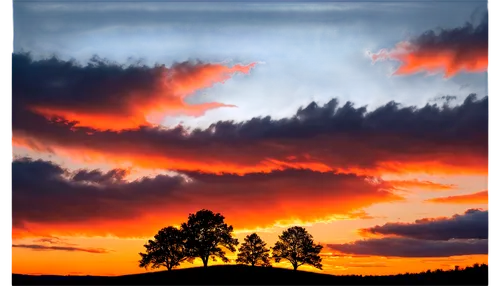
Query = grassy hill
x=245 y=275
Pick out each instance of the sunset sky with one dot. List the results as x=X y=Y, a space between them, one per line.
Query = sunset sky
x=365 y=122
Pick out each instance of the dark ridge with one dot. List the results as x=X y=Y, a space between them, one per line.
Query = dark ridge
x=246 y=275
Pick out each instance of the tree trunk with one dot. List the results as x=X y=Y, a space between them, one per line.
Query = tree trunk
x=253 y=264
x=205 y=261
x=169 y=268
x=295 y=266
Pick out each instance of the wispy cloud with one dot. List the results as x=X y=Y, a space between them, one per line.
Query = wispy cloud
x=40 y=247
x=475 y=198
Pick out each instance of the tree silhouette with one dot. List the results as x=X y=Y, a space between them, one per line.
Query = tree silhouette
x=206 y=234
x=297 y=246
x=253 y=251
x=167 y=249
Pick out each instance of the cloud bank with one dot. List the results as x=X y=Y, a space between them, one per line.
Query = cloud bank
x=51 y=200
x=332 y=137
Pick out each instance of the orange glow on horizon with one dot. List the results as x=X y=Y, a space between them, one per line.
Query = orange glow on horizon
x=122 y=259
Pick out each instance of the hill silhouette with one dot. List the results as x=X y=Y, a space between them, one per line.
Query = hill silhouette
x=246 y=275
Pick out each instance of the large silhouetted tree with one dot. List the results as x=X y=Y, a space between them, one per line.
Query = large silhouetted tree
x=297 y=246
x=253 y=251
x=206 y=236
x=167 y=249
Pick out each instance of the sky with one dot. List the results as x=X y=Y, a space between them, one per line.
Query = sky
x=365 y=122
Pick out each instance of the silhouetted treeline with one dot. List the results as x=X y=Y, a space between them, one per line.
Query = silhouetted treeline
x=207 y=236
x=247 y=275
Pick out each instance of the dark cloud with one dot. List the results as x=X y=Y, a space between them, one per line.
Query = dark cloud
x=106 y=95
x=464 y=234
x=40 y=247
x=44 y=192
x=445 y=98
x=409 y=247
x=338 y=137
x=96 y=176
x=49 y=197
x=473 y=224
x=450 y=50
x=462 y=39
x=52 y=240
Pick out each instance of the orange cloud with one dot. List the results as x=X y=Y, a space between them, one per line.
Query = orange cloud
x=110 y=97
x=419 y=184
x=463 y=49
x=260 y=157
x=475 y=198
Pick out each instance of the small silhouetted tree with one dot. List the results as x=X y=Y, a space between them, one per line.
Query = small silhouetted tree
x=253 y=251
x=297 y=246
x=167 y=249
x=206 y=236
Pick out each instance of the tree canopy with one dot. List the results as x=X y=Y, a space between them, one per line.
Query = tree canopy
x=207 y=235
x=253 y=251
x=167 y=249
x=297 y=246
